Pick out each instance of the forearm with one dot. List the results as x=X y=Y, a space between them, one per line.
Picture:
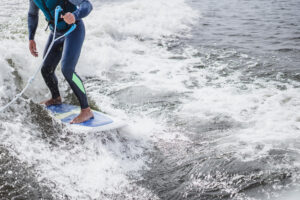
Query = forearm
x=32 y=25
x=33 y=19
x=84 y=7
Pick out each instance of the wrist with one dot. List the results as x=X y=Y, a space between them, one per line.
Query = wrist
x=75 y=13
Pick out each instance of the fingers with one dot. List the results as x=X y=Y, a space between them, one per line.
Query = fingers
x=34 y=51
x=69 y=18
x=32 y=48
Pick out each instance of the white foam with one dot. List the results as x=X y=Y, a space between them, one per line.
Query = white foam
x=263 y=115
x=128 y=38
x=121 y=36
x=116 y=31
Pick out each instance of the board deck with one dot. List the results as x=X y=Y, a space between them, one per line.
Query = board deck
x=66 y=113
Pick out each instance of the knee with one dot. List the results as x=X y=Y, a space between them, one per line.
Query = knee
x=67 y=73
x=46 y=70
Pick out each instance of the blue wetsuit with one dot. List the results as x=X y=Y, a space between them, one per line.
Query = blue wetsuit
x=68 y=49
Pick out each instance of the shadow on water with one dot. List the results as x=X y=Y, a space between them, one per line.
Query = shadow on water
x=17 y=181
x=17 y=78
x=71 y=98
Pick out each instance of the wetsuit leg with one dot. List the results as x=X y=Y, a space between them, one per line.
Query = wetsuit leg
x=71 y=53
x=50 y=64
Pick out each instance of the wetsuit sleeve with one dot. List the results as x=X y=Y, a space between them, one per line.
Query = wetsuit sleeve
x=33 y=19
x=84 y=7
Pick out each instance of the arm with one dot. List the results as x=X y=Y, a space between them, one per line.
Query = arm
x=33 y=19
x=84 y=7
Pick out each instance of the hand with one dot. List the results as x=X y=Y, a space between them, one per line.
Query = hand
x=69 y=18
x=32 y=48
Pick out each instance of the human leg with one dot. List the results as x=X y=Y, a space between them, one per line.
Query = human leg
x=72 y=48
x=48 y=70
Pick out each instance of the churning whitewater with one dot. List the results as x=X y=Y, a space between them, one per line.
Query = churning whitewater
x=211 y=100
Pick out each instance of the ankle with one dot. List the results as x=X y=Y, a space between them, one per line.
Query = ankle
x=86 y=109
x=57 y=98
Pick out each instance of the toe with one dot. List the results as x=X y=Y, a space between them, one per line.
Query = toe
x=73 y=121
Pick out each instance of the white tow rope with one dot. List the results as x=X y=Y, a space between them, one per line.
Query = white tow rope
x=57 y=11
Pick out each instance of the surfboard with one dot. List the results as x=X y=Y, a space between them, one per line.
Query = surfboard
x=66 y=113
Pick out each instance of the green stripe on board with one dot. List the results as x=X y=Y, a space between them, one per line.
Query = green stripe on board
x=78 y=82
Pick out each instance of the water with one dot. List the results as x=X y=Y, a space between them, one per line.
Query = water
x=210 y=90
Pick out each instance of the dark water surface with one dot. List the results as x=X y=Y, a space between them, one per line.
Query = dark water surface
x=260 y=39
x=267 y=29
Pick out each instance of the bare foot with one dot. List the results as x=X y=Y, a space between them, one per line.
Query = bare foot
x=50 y=102
x=85 y=115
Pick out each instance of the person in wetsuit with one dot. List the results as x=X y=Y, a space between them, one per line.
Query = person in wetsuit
x=66 y=49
